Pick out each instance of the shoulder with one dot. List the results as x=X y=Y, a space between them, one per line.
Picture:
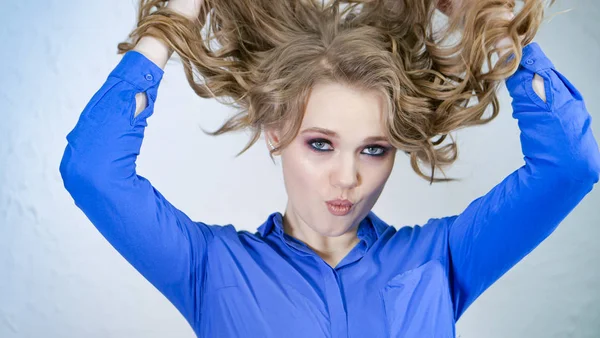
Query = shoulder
x=433 y=227
x=429 y=239
x=228 y=235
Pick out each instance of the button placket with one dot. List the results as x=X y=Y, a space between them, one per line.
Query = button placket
x=335 y=302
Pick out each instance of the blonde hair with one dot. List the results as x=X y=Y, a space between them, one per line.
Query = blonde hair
x=263 y=57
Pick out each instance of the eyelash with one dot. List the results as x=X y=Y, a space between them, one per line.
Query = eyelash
x=384 y=150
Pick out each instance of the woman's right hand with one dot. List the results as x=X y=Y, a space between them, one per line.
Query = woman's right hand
x=188 y=8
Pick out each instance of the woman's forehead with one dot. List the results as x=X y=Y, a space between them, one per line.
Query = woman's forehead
x=338 y=110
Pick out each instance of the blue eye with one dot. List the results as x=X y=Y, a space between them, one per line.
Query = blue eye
x=320 y=144
x=381 y=150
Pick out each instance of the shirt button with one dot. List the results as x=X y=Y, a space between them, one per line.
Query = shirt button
x=530 y=61
x=149 y=77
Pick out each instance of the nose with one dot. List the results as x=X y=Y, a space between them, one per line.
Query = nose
x=345 y=174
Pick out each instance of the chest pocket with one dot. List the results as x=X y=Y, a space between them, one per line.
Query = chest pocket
x=418 y=304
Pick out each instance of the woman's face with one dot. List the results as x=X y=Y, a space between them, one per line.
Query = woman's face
x=341 y=152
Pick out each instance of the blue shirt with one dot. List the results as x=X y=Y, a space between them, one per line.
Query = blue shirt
x=409 y=282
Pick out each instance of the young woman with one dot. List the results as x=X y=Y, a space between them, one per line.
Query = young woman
x=336 y=88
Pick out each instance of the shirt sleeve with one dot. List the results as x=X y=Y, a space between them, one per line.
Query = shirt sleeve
x=99 y=171
x=562 y=164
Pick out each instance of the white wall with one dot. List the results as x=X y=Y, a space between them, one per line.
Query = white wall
x=60 y=278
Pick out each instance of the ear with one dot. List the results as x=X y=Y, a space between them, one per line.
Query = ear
x=273 y=136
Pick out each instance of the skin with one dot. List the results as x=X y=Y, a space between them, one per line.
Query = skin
x=347 y=169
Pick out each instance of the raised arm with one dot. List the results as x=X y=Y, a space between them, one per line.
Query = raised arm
x=157 y=51
x=99 y=171
x=562 y=164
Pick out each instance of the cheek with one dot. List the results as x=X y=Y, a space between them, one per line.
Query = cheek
x=376 y=175
x=301 y=172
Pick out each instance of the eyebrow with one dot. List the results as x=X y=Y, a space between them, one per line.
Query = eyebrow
x=334 y=134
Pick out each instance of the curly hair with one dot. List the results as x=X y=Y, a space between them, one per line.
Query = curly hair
x=262 y=57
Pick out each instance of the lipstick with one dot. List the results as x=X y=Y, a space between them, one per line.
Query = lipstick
x=339 y=207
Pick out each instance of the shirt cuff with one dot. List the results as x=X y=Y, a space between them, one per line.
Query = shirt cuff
x=138 y=70
x=534 y=58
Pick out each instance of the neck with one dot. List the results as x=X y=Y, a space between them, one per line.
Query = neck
x=331 y=249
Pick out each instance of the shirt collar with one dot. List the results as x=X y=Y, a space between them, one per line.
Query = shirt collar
x=270 y=223
x=369 y=229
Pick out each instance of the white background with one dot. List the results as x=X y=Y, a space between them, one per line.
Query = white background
x=60 y=278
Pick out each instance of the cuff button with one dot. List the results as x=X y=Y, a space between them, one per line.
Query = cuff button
x=149 y=77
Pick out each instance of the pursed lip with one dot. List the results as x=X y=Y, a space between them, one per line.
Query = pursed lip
x=341 y=203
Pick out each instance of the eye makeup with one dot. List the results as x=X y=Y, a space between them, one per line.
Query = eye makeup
x=377 y=150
